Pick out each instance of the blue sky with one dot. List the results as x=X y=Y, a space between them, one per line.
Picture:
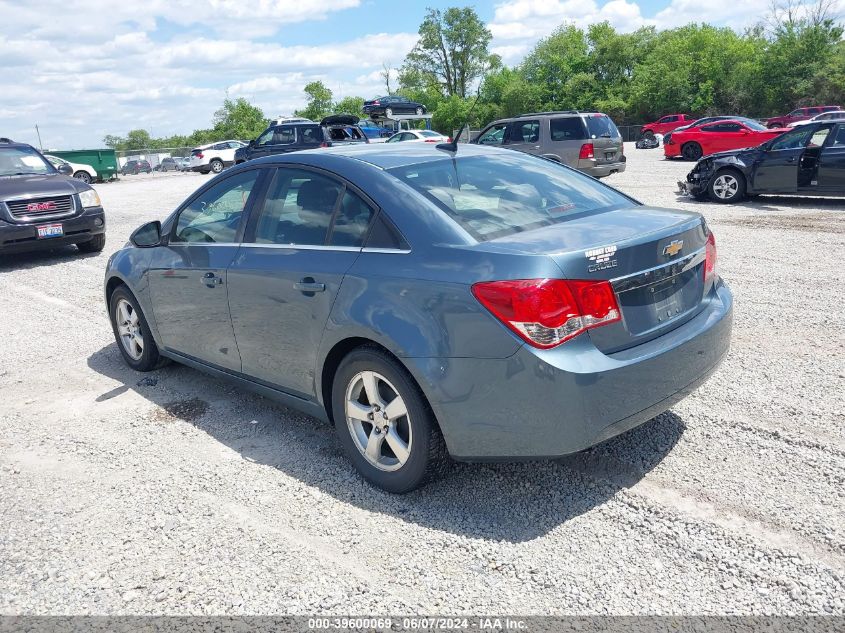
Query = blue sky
x=82 y=69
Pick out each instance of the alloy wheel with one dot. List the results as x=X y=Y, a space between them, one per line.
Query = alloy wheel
x=377 y=419
x=725 y=186
x=129 y=329
x=84 y=176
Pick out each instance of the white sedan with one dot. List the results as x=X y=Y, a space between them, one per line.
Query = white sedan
x=418 y=136
x=824 y=116
x=85 y=173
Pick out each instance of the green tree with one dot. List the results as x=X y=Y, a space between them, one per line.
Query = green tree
x=452 y=52
x=319 y=101
x=349 y=105
x=138 y=139
x=115 y=142
x=238 y=119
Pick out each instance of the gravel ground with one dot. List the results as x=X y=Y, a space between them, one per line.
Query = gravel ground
x=175 y=493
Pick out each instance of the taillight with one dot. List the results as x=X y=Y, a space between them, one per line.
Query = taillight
x=431 y=140
x=449 y=139
x=198 y=155
x=548 y=312
x=376 y=102
x=710 y=258
x=587 y=151
x=324 y=144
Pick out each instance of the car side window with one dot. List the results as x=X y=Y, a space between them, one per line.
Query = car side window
x=839 y=141
x=266 y=137
x=351 y=222
x=311 y=135
x=731 y=127
x=709 y=128
x=567 y=129
x=494 y=135
x=524 y=132
x=298 y=209
x=792 y=140
x=215 y=214
x=819 y=137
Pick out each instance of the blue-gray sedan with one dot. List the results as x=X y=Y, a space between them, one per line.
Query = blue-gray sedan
x=484 y=304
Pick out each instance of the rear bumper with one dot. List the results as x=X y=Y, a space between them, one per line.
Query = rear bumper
x=590 y=168
x=549 y=403
x=24 y=237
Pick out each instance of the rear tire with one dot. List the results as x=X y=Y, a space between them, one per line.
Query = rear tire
x=691 y=151
x=388 y=113
x=216 y=165
x=420 y=111
x=131 y=331
x=95 y=245
x=648 y=134
x=384 y=423
x=726 y=186
x=84 y=176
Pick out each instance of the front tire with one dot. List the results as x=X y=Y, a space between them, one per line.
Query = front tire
x=726 y=186
x=691 y=151
x=384 y=423
x=84 y=176
x=648 y=134
x=132 y=332
x=420 y=111
x=388 y=112
x=95 y=245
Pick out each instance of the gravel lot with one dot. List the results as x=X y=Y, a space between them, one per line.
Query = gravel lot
x=175 y=493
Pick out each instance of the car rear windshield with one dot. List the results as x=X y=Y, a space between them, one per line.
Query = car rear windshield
x=502 y=194
x=600 y=125
x=23 y=161
x=754 y=125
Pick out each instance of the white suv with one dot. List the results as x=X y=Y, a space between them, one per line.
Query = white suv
x=214 y=157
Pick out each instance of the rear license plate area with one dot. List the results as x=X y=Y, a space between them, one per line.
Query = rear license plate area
x=47 y=231
x=609 y=155
x=654 y=305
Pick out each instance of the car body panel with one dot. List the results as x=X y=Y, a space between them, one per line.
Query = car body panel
x=493 y=395
x=399 y=105
x=799 y=114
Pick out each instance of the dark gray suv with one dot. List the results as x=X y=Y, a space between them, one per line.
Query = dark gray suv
x=42 y=207
x=587 y=141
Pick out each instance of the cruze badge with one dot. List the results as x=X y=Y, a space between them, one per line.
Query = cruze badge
x=601 y=258
x=673 y=248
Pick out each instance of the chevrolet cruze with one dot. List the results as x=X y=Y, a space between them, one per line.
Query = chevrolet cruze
x=480 y=303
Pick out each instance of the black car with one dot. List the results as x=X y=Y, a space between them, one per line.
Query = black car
x=386 y=107
x=806 y=161
x=136 y=167
x=43 y=207
x=338 y=129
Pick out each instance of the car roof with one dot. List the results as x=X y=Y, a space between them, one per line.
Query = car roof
x=381 y=155
x=7 y=142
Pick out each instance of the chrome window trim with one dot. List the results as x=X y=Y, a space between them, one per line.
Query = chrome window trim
x=658 y=273
x=386 y=251
x=306 y=247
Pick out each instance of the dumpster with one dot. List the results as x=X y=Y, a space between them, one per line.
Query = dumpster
x=104 y=161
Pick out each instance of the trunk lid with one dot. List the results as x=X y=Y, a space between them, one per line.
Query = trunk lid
x=653 y=257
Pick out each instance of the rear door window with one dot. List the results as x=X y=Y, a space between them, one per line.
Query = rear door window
x=567 y=129
x=297 y=209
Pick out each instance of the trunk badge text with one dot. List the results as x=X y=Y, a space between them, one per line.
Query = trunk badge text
x=601 y=258
x=673 y=248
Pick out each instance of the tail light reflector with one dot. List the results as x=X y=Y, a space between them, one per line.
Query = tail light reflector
x=548 y=312
x=710 y=258
x=587 y=151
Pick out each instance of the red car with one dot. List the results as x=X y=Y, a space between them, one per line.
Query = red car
x=800 y=114
x=666 y=124
x=720 y=136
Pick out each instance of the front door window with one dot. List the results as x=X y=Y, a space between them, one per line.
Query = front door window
x=215 y=214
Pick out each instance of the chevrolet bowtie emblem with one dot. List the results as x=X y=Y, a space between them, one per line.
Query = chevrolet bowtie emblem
x=673 y=248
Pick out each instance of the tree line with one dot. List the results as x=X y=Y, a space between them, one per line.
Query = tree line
x=794 y=57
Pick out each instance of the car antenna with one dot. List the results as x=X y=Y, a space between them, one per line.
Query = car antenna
x=452 y=147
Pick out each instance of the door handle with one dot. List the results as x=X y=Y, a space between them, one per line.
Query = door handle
x=309 y=285
x=211 y=280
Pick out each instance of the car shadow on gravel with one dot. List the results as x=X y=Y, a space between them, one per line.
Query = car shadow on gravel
x=37 y=259
x=513 y=502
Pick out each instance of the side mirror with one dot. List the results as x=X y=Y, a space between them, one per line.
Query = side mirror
x=65 y=169
x=147 y=235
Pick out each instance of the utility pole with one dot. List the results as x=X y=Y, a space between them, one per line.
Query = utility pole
x=40 y=144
